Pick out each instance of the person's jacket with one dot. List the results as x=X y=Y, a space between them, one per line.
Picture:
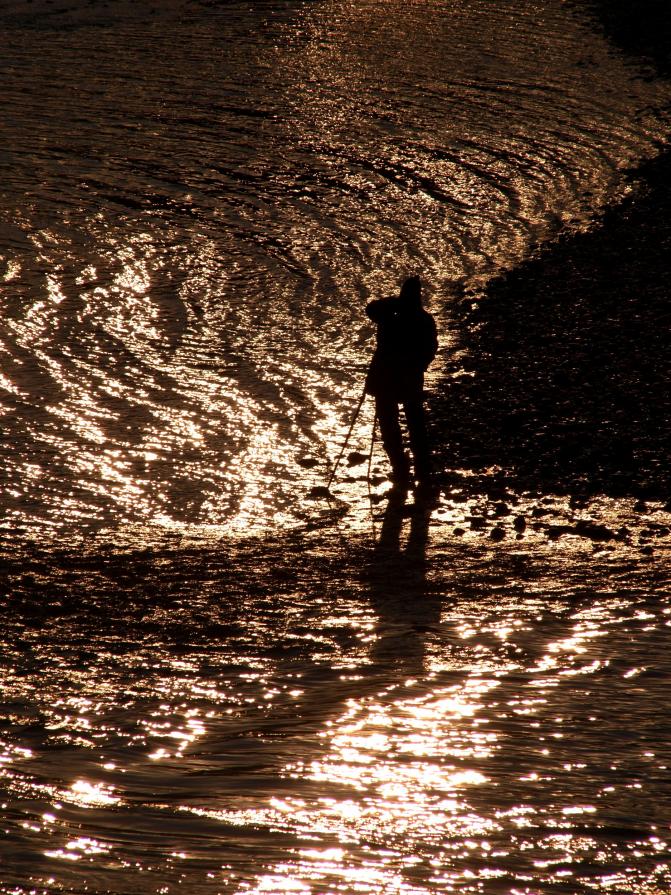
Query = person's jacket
x=407 y=342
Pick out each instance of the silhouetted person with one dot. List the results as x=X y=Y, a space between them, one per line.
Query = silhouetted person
x=406 y=344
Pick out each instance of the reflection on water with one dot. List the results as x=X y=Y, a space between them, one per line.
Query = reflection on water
x=481 y=718
x=207 y=683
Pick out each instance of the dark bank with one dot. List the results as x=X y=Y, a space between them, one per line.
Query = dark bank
x=642 y=28
x=564 y=383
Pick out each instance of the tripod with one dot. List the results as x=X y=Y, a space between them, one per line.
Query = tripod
x=347 y=438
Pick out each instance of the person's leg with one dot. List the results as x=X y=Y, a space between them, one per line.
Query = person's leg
x=419 y=440
x=392 y=440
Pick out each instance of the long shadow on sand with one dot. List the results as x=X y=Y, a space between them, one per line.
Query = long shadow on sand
x=564 y=382
x=395 y=579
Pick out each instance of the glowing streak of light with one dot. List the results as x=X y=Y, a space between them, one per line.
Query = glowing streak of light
x=90 y=795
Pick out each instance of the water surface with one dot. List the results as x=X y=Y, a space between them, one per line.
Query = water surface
x=209 y=683
x=195 y=210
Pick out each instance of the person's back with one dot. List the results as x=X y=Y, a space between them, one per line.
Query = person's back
x=406 y=345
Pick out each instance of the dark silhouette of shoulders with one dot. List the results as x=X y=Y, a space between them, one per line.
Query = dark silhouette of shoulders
x=406 y=332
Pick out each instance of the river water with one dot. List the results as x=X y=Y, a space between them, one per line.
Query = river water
x=210 y=682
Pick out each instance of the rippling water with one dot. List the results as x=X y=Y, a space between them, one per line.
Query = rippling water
x=492 y=721
x=195 y=211
x=206 y=687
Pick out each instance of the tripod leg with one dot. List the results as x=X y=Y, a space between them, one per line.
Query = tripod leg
x=370 y=453
x=347 y=437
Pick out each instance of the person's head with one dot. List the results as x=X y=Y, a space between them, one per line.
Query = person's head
x=411 y=291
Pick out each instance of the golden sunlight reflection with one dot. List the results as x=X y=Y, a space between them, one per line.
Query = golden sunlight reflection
x=437 y=732
x=77 y=849
x=89 y=795
x=570 y=655
x=219 y=675
x=399 y=769
x=165 y=402
x=13 y=270
x=7 y=384
x=183 y=738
